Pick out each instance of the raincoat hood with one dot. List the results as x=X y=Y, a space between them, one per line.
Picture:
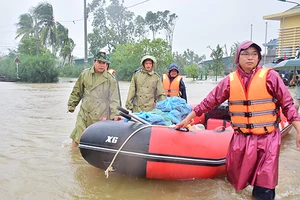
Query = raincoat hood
x=245 y=45
x=147 y=57
x=173 y=66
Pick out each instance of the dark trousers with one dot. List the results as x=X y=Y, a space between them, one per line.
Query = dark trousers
x=260 y=193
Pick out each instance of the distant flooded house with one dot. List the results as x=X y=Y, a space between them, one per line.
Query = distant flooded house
x=227 y=61
x=80 y=61
x=288 y=41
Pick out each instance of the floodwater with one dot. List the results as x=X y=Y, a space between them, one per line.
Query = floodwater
x=38 y=162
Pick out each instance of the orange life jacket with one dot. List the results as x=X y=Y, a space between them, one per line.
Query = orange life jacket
x=171 y=88
x=253 y=111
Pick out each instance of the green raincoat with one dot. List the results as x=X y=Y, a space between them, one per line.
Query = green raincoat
x=145 y=89
x=100 y=98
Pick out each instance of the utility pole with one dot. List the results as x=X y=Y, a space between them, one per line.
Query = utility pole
x=251 y=32
x=37 y=38
x=85 y=37
x=266 y=34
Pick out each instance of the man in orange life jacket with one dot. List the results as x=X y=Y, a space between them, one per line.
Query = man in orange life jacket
x=255 y=95
x=173 y=83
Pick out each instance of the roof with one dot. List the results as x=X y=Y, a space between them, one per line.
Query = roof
x=80 y=61
x=226 y=61
x=271 y=43
x=294 y=11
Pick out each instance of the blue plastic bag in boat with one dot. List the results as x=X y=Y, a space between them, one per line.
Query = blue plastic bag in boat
x=155 y=117
x=176 y=108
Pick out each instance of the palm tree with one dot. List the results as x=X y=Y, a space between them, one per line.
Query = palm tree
x=39 y=23
x=64 y=43
x=67 y=50
x=25 y=26
x=43 y=12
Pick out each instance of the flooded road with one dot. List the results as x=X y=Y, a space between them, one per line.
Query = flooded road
x=37 y=161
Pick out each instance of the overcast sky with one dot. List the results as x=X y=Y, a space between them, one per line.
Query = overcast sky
x=200 y=23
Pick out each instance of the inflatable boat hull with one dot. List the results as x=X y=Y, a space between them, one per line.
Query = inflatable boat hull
x=156 y=152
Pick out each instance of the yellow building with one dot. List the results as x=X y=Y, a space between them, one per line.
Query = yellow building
x=289 y=32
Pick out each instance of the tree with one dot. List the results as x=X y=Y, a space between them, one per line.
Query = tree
x=65 y=44
x=192 y=71
x=113 y=25
x=140 y=28
x=38 y=69
x=39 y=23
x=66 y=51
x=25 y=26
x=233 y=49
x=127 y=58
x=188 y=57
x=192 y=57
x=181 y=61
x=27 y=46
x=217 y=56
x=153 y=21
x=168 y=24
x=44 y=13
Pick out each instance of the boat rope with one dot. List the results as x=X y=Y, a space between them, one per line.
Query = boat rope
x=110 y=168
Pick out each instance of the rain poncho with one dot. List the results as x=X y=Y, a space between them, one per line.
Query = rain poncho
x=145 y=89
x=99 y=95
x=253 y=159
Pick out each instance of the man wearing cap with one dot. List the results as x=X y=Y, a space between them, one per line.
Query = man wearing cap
x=145 y=88
x=255 y=96
x=173 y=83
x=98 y=91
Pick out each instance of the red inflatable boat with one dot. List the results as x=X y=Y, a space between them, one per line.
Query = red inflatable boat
x=159 y=152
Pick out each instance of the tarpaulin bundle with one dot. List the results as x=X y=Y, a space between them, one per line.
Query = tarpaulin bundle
x=169 y=111
x=155 y=117
x=175 y=108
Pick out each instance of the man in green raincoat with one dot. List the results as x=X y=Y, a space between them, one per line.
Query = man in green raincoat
x=98 y=90
x=145 y=88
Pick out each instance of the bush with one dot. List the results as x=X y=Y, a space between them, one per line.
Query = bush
x=38 y=69
x=71 y=71
x=8 y=67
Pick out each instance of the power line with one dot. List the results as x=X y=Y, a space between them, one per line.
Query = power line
x=72 y=21
x=137 y=4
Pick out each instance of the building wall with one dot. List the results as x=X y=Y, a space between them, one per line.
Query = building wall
x=289 y=36
x=290 y=22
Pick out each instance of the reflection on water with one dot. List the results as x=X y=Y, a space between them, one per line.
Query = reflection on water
x=37 y=161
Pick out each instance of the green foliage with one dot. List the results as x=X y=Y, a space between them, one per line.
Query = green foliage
x=8 y=67
x=27 y=46
x=218 y=66
x=153 y=21
x=70 y=70
x=38 y=32
x=233 y=49
x=192 y=71
x=187 y=58
x=38 y=69
x=25 y=26
x=113 y=25
x=126 y=58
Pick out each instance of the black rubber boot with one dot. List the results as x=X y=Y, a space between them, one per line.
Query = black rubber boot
x=260 y=193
